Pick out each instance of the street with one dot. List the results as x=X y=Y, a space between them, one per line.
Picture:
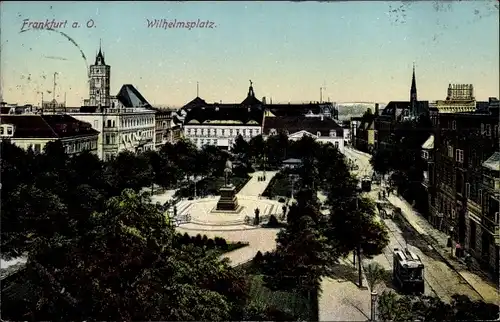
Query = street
x=440 y=279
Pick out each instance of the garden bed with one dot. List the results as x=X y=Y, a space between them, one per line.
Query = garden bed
x=217 y=243
x=290 y=303
x=280 y=185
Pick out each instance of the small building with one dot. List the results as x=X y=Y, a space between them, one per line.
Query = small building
x=35 y=131
x=322 y=129
x=291 y=163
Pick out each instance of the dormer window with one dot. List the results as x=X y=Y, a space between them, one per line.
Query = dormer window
x=332 y=133
x=273 y=132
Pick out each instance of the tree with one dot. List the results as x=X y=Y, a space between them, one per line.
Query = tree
x=352 y=227
x=125 y=267
x=429 y=308
x=257 y=148
x=241 y=147
x=303 y=255
x=374 y=274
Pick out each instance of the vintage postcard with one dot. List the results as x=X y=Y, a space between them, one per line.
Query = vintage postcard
x=249 y=160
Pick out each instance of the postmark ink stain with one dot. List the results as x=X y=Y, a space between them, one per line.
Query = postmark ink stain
x=70 y=40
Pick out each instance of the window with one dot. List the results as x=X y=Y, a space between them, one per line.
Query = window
x=37 y=148
x=424 y=155
x=96 y=124
x=467 y=190
x=450 y=151
x=10 y=130
x=482 y=128
x=273 y=132
x=318 y=133
x=1 y=130
x=109 y=123
x=108 y=141
x=454 y=125
x=481 y=197
x=337 y=144
x=332 y=133
x=113 y=123
x=488 y=129
x=459 y=155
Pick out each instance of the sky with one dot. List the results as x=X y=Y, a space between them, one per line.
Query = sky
x=357 y=51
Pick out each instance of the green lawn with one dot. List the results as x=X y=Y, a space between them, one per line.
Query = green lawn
x=291 y=303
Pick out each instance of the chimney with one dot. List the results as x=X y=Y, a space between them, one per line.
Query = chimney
x=376 y=109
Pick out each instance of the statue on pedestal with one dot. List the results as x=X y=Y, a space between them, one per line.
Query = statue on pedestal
x=227 y=173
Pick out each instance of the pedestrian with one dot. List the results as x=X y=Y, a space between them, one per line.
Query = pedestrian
x=458 y=250
x=389 y=192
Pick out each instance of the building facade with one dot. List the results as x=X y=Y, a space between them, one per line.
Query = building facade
x=460 y=98
x=460 y=186
x=163 y=128
x=100 y=82
x=121 y=129
x=35 y=131
x=322 y=129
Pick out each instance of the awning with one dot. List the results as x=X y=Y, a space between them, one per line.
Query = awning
x=493 y=162
x=429 y=144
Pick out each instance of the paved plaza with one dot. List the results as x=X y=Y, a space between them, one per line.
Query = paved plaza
x=231 y=226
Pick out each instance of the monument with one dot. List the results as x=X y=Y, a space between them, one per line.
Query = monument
x=228 y=201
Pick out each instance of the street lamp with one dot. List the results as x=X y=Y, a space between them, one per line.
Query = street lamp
x=264 y=159
x=373 y=315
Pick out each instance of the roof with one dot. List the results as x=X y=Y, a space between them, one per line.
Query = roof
x=215 y=115
x=298 y=109
x=129 y=96
x=493 y=162
x=429 y=144
x=294 y=124
x=196 y=102
x=292 y=160
x=47 y=126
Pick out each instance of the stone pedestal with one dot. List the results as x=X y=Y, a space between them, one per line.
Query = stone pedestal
x=227 y=201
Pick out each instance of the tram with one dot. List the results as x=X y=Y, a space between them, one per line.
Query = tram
x=408 y=272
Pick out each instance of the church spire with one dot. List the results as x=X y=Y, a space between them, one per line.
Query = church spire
x=413 y=90
x=99 y=59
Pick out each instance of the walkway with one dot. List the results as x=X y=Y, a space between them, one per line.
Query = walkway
x=438 y=241
x=340 y=298
x=254 y=187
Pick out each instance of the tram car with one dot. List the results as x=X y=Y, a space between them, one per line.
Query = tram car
x=408 y=272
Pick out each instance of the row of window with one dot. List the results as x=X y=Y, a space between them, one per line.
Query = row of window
x=79 y=146
x=205 y=141
x=221 y=132
x=7 y=130
x=146 y=120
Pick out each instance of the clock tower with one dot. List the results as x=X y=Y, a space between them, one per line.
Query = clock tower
x=100 y=75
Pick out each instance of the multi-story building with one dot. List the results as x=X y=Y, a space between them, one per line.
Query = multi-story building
x=322 y=129
x=460 y=195
x=100 y=81
x=35 y=131
x=121 y=128
x=398 y=111
x=220 y=126
x=163 y=127
x=460 y=98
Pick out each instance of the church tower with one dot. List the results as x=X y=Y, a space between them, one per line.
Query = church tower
x=413 y=94
x=100 y=76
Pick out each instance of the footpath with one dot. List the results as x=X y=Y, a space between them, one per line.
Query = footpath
x=478 y=280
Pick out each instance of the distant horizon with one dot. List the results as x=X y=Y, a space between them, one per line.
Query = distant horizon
x=355 y=51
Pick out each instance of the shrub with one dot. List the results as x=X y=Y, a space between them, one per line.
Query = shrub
x=210 y=243
x=223 y=244
x=273 y=221
x=258 y=258
x=198 y=240
x=204 y=240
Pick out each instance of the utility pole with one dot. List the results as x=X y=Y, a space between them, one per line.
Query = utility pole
x=197 y=89
x=321 y=94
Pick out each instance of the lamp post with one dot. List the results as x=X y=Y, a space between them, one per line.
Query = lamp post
x=264 y=159
x=373 y=315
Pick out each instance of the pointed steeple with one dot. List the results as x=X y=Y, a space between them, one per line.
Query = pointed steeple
x=99 y=59
x=413 y=90
x=250 y=90
x=251 y=100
